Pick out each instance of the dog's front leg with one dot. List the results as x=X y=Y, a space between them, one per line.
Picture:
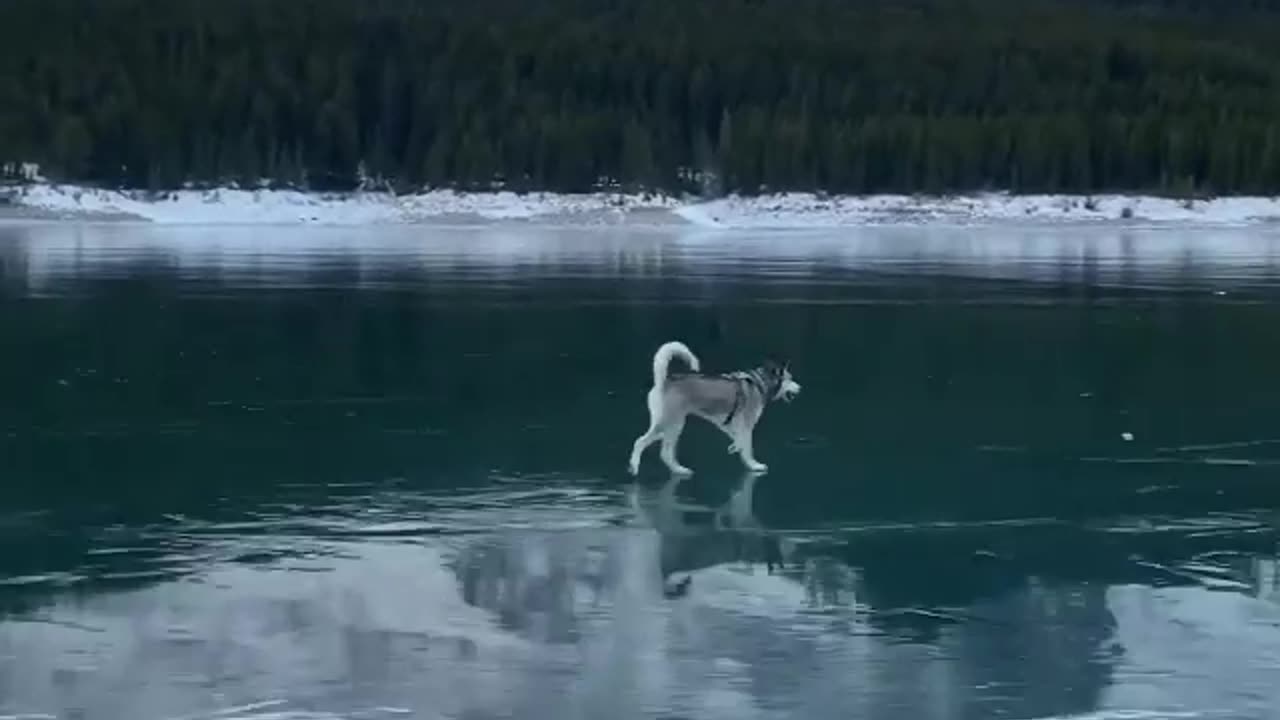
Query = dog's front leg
x=742 y=443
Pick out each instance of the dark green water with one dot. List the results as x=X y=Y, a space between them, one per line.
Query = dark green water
x=335 y=473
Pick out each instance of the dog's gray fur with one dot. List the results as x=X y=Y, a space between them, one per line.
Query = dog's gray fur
x=732 y=402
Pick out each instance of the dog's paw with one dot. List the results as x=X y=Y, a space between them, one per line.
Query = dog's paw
x=680 y=470
x=633 y=468
x=758 y=467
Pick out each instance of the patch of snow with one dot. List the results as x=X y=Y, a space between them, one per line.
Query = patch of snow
x=701 y=214
x=28 y=172
x=804 y=210
x=257 y=207
x=775 y=211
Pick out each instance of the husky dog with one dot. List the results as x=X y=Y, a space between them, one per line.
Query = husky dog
x=732 y=402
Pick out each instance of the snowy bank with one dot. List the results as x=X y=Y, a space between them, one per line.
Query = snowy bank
x=266 y=207
x=779 y=211
x=803 y=210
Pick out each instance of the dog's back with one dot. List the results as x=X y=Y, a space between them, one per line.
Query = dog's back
x=707 y=395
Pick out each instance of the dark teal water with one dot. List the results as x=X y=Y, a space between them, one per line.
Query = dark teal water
x=367 y=473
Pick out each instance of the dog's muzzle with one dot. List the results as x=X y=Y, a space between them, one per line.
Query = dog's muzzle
x=789 y=391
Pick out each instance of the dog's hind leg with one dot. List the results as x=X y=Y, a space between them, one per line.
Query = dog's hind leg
x=649 y=437
x=670 y=441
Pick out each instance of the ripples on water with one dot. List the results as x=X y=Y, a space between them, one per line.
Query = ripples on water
x=322 y=473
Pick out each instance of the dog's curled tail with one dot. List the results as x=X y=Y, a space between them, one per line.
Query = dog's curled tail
x=662 y=359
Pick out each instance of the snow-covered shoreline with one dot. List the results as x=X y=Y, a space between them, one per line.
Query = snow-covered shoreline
x=778 y=211
x=811 y=211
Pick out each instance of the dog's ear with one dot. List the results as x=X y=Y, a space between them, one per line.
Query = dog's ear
x=778 y=366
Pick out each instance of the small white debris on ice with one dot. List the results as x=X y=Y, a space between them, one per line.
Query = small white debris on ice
x=1126 y=436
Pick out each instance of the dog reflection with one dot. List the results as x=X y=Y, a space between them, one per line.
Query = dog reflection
x=693 y=537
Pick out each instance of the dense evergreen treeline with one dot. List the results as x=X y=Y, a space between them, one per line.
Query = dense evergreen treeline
x=841 y=95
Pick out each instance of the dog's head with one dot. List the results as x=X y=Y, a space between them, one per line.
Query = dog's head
x=779 y=374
